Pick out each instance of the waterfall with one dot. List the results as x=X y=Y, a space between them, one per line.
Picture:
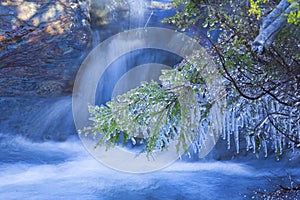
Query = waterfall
x=138 y=10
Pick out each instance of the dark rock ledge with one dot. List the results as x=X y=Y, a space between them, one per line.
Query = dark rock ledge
x=42 y=44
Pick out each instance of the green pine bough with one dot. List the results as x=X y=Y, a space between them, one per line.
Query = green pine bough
x=154 y=114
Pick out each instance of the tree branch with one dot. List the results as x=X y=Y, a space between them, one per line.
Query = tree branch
x=271 y=26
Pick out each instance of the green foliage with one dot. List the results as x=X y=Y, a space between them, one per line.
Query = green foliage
x=130 y=115
x=294 y=16
x=255 y=8
x=153 y=113
x=189 y=16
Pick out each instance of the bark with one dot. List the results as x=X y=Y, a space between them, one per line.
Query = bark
x=271 y=26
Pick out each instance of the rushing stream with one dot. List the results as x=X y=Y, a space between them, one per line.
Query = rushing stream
x=64 y=170
x=52 y=170
x=41 y=156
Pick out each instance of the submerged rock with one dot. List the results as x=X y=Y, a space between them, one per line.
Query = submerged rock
x=42 y=44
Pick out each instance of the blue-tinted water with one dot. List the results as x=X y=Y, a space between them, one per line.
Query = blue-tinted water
x=64 y=170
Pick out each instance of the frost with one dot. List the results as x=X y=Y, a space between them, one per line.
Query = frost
x=183 y=108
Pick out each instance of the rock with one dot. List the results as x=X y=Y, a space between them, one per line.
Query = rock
x=42 y=45
x=108 y=17
x=106 y=12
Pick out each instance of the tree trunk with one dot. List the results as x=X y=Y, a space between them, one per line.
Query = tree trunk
x=272 y=24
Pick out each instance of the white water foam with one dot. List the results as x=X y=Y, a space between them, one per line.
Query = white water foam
x=74 y=174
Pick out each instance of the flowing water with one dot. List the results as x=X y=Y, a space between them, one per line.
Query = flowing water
x=52 y=170
x=64 y=170
x=41 y=157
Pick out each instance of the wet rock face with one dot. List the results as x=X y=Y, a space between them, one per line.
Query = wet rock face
x=42 y=44
x=108 y=17
x=107 y=12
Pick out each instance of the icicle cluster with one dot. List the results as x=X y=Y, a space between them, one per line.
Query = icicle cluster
x=264 y=124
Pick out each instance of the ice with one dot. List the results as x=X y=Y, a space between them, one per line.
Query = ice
x=253 y=143
x=298 y=130
x=264 y=144
x=133 y=141
x=236 y=136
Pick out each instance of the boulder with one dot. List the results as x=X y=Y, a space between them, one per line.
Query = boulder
x=42 y=44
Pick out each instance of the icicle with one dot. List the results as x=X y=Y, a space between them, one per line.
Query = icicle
x=223 y=128
x=286 y=129
x=223 y=135
x=228 y=139
x=248 y=141
x=133 y=141
x=280 y=144
x=299 y=131
x=221 y=119
x=264 y=143
x=229 y=132
x=195 y=148
x=236 y=136
x=242 y=121
x=233 y=120
x=253 y=143
x=226 y=126
x=290 y=132
x=275 y=138
x=189 y=155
